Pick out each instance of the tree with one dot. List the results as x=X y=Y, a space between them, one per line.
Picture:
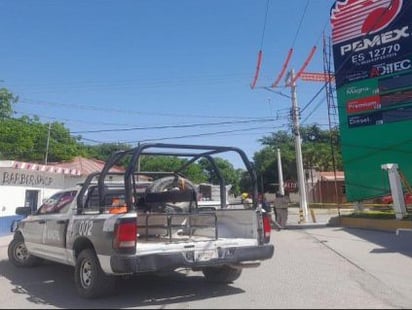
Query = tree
x=104 y=150
x=200 y=172
x=62 y=145
x=171 y=163
x=266 y=168
x=316 y=153
x=229 y=174
x=266 y=159
x=25 y=139
x=15 y=139
x=7 y=99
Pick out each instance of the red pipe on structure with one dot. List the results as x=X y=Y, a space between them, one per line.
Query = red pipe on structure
x=305 y=64
x=259 y=62
x=282 y=72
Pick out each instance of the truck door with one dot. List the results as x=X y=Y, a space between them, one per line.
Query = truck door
x=34 y=226
x=54 y=236
x=56 y=217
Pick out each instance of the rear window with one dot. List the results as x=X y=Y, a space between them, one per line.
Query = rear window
x=57 y=202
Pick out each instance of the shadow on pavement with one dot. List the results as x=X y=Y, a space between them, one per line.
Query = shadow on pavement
x=387 y=242
x=52 y=284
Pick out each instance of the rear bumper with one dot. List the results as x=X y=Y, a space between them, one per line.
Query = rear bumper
x=133 y=264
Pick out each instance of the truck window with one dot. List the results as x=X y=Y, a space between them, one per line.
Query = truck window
x=57 y=202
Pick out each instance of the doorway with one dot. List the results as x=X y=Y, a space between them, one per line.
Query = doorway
x=32 y=199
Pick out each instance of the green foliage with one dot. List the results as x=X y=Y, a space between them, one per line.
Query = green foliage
x=229 y=174
x=316 y=153
x=7 y=99
x=266 y=159
x=105 y=150
x=25 y=139
x=166 y=163
x=196 y=173
x=16 y=140
x=62 y=146
x=245 y=183
x=170 y=163
x=373 y=214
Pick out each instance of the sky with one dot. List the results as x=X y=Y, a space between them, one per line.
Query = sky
x=173 y=71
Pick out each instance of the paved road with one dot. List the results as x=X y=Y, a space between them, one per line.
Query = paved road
x=314 y=267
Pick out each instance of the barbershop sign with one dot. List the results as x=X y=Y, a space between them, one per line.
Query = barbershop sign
x=30 y=179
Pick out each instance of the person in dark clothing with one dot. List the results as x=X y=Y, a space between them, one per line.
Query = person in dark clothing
x=267 y=207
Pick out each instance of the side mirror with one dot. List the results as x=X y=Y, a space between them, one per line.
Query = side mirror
x=23 y=211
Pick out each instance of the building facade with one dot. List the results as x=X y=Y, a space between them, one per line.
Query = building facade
x=29 y=184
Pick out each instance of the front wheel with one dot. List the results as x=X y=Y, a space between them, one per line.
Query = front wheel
x=18 y=254
x=224 y=274
x=90 y=280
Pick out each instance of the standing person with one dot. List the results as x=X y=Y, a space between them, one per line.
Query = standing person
x=247 y=201
x=268 y=208
x=281 y=207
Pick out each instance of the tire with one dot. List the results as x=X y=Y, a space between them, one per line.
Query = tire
x=89 y=278
x=167 y=184
x=19 y=256
x=224 y=274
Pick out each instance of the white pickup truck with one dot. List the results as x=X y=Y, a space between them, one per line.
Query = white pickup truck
x=121 y=224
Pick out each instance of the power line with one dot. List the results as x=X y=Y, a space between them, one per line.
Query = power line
x=124 y=111
x=257 y=120
x=196 y=135
x=300 y=23
x=142 y=83
x=176 y=126
x=264 y=24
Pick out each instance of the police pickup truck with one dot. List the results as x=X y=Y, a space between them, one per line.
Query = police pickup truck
x=138 y=222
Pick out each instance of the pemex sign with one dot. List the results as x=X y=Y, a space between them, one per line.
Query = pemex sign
x=372 y=52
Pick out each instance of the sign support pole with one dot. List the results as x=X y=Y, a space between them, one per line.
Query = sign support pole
x=396 y=190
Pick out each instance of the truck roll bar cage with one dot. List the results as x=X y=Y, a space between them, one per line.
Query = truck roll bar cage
x=189 y=151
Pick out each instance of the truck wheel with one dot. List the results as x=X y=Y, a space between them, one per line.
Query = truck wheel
x=19 y=256
x=224 y=274
x=90 y=280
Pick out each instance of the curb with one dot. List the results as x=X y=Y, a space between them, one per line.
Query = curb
x=371 y=224
x=306 y=225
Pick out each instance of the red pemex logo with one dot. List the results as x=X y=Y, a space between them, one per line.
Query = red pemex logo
x=354 y=18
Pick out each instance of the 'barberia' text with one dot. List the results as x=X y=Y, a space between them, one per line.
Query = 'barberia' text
x=25 y=179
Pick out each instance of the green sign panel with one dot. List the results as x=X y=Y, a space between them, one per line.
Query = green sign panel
x=372 y=51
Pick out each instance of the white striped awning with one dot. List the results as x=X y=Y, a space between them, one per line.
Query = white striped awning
x=38 y=167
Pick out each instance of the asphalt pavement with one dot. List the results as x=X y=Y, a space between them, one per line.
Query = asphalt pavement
x=379 y=264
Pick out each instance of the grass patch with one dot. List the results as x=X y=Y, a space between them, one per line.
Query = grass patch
x=383 y=215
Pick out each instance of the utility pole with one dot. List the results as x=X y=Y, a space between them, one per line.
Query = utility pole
x=298 y=146
x=47 y=144
x=280 y=174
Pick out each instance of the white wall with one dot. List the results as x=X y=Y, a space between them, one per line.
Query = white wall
x=15 y=182
x=12 y=197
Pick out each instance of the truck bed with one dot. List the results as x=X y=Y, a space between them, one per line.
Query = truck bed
x=200 y=226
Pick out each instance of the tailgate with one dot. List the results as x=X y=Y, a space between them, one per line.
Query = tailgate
x=201 y=226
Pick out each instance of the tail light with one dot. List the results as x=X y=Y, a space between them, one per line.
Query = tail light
x=125 y=235
x=266 y=227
